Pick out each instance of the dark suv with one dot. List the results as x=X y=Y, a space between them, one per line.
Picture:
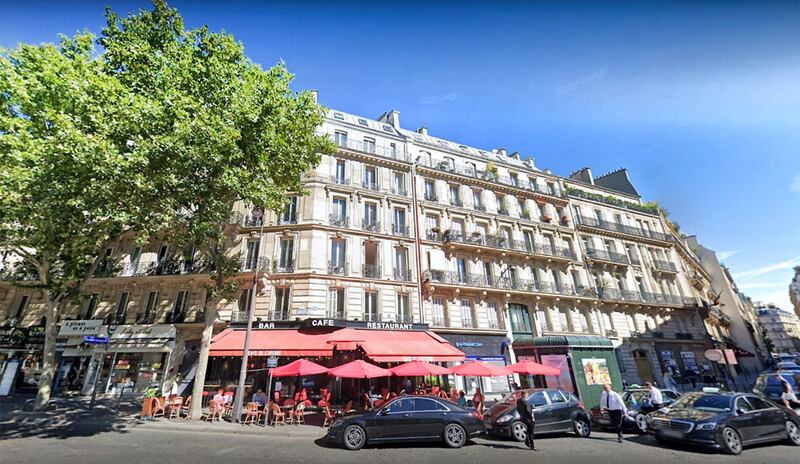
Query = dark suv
x=768 y=385
x=554 y=411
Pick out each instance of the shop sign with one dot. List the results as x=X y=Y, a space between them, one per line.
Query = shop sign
x=143 y=332
x=93 y=340
x=272 y=361
x=714 y=355
x=319 y=323
x=689 y=361
x=469 y=344
x=730 y=357
x=596 y=371
x=74 y=328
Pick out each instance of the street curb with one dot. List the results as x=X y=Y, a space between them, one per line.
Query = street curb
x=286 y=431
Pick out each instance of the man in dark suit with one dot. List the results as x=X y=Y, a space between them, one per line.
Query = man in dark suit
x=525 y=411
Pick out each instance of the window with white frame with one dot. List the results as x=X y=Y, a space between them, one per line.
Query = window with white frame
x=371 y=306
x=466 y=314
x=492 y=309
x=251 y=254
x=437 y=312
x=280 y=311
x=336 y=303
x=340 y=138
x=403 y=308
x=369 y=145
x=179 y=308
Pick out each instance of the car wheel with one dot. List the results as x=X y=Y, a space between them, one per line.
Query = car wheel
x=794 y=433
x=731 y=441
x=641 y=423
x=454 y=435
x=519 y=431
x=582 y=428
x=354 y=437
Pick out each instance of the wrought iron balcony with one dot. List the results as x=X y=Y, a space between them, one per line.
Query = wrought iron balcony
x=372 y=317
x=400 y=191
x=255 y=265
x=253 y=221
x=400 y=229
x=456 y=202
x=340 y=180
x=372 y=271
x=156 y=268
x=334 y=314
x=506 y=283
x=431 y=196
x=501 y=242
x=370 y=185
x=665 y=266
x=503 y=211
x=439 y=321
x=402 y=274
x=146 y=318
x=337 y=268
x=468 y=322
x=279 y=315
x=283 y=267
x=338 y=220
x=404 y=318
x=623 y=229
x=115 y=319
x=370 y=148
x=287 y=218
x=480 y=207
x=608 y=256
x=371 y=226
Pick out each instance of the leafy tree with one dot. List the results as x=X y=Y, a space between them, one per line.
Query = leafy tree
x=71 y=179
x=228 y=133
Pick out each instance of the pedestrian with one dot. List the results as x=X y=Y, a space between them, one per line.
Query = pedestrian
x=668 y=381
x=655 y=397
x=692 y=378
x=525 y=411
x=612 y=402
x=478 y=399
x=788 y=395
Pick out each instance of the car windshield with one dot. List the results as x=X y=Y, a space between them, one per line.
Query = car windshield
x=707 y=403
x=636 y=397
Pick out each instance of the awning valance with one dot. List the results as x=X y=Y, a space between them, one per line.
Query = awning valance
x=380 y=345
x=571 y=341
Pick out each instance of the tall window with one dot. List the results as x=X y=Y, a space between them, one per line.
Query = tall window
x=91 y=306
x=369 y=145
x=528 y=240
x=520 y=321
x=477 y=201
x=431 y=222
x=371 y=306
x=491 y=315
x=400 y=221
x=370 y=214
x=541 y=319
x=457 y=227
x=399 y=183
x=437 y=312
x=163 y=252
x=286 y=258
x=488 y=272
x=136 y=254
x=339 y=208
x=466 y=314
x=179 y=309
x=122 y=308
x=244 y=301
x=148 y=316
x=21 y=305
x=461 y=268
x=281 y=309
x=430 y=190
x=338 y=254
x=336 y=303
x=455 y=197
x=251 y=255
x=521 y=209
x=340 y=175
x=340 y=138
x=401 y=260
x=403 y=308
x=289 y=215
x=370 y=178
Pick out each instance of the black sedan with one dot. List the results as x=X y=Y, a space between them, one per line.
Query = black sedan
x=638 y=409
x=726 y=421
x=554 y=411
x=408 y=418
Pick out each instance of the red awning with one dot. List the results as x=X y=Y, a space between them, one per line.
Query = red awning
x=380 y=345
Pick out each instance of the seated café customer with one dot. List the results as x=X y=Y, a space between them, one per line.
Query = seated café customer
x=454 y=395
x=477 y=399
x=462 y=399
x=220 y=397
x=260 y=397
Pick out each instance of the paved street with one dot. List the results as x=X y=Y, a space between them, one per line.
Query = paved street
x=178 y=442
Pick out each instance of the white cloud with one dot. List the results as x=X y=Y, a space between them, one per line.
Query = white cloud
x=723 y=255
x=794 y=186
x=759 y=271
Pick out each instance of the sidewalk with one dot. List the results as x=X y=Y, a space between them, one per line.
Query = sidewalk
x=183 y=425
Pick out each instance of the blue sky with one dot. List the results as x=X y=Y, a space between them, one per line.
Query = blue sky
x=699 y=100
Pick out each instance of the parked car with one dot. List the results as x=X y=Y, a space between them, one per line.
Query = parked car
x=554 y=411
x=638 y=410
x=788 y=366
x=726 y=421
x=768 y=385
x=408 y=418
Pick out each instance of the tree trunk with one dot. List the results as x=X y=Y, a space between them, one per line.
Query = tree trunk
x=48 y=354
x=202 y=360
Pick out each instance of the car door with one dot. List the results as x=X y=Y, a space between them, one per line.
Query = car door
x=770 y=417
x=745 y=420
x=394 y=421
x=542 y=412
x=428 y=418
x=561 y=411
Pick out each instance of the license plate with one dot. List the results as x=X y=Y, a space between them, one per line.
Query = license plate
x=672 y=433
x=488 y=425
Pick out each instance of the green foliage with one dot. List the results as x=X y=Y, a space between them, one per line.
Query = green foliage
x=649 y=208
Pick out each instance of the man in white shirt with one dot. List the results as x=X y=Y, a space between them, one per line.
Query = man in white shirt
x=655 y=397
x=611 y=401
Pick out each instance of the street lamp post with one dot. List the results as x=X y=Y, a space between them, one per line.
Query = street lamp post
x=251 y=309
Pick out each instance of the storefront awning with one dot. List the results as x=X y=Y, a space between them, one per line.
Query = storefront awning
x=380 y=345
x=570 y=341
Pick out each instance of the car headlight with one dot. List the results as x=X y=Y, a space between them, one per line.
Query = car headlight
x=706 y=426
x=505 y=418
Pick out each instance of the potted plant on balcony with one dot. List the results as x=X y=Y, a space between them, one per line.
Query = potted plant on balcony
x=547 y=218
x=491 y=171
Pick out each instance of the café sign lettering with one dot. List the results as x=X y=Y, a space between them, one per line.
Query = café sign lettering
x=322 y=323
x=77 y=328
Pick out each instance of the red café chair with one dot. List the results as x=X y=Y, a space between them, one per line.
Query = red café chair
x=329 y=417
x=325 y=398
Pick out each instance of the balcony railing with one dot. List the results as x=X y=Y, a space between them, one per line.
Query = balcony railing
x=252 y=221
x=370 y=185
x=338 y=220
x=146 y=318
x=431 y=197
x=283 y=267
x=439 y=321
x=507 y=283
x=337 y=268
x=340 y=180
x=480 y=207
x=334 y=314
x=370 y=148
x=371 y=271
x=255 y=265
x=372 y=317
x=456 y=202
x=503 y=243
x=503 y=211
x=371 y=226
x=287 y=218
x=609 y=256
x=468 y=322
x=404 y=318
x=402 y=275
x=665 y=266
x=623 y=229
x=279 y=315
x=400 y=229
x=400 y=191
x=631 y=295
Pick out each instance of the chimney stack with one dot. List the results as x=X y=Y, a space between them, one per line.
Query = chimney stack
x=501 y=151
x=422 y=130
x=314 y=93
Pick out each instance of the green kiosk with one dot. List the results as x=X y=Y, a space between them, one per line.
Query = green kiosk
x=587 y=362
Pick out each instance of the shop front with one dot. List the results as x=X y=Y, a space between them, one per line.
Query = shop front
x=20 y=359
x=329 y=342
x=587 y=363
x=488 y=348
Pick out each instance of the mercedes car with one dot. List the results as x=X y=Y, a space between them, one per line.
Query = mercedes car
x=726 y=421
x=554 y=411
x=408 y=418
x=639 y=408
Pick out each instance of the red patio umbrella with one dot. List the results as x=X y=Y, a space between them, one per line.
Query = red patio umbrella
x=299 y=368
x=479 y=369
x=359 y=370
x=533 y=368
x=419 y=368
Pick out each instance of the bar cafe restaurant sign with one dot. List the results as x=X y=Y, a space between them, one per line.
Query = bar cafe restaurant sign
x=337 y=324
